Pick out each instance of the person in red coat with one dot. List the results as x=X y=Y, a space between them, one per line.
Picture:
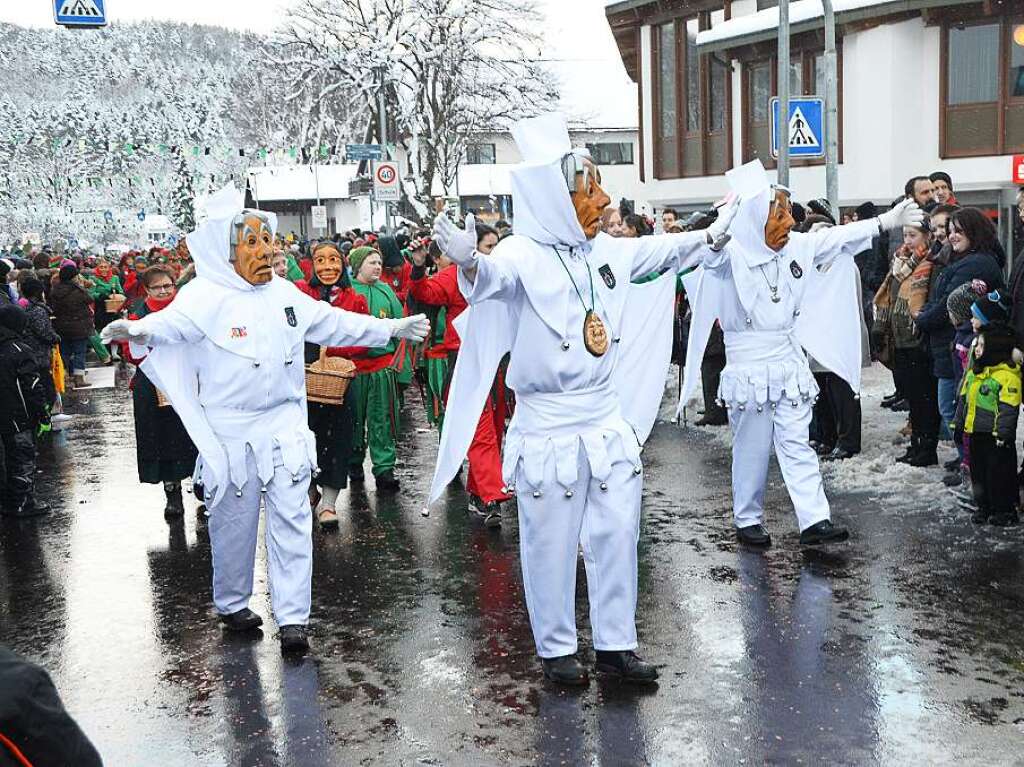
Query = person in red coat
x=331 y=424
x=485 y=486
x=397 y=272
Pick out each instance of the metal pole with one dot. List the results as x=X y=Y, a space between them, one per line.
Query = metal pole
x=382 y=123
x=783 y=130
x=831 y=110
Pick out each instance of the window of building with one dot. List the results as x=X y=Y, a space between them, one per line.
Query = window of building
x=691 y=100
x=480 y=154
x=760 y=78
x=762 y=4
x=983 y=87
x=612 y=153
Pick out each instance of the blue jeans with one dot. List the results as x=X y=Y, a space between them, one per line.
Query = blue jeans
x=72 y=352
x=947 y=405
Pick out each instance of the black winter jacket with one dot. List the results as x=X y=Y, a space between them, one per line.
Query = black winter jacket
x=22 y=396
x=934 y=317
x=1016 y=288
x=39 y=333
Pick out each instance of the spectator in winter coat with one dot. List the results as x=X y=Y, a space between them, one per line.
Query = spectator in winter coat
x=22 y=410
x=921 y=190
x=6 y=297
x=1016 y=284
x=39 y=332
x=72 y=319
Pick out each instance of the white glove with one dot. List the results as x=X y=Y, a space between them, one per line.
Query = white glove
x=718 y=233
x=907 y=213
x=458 y=244
x=413 y=328
x=122 y=330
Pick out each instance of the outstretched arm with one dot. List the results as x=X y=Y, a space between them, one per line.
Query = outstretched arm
x=162 y=328
x=848 y=240
x=682 y=252
x=479 y=278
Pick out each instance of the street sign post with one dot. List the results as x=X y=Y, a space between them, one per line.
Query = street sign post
x=805 y=127
x=80 y=13
x=363 y=152
x=385 y=182
x=319 y=216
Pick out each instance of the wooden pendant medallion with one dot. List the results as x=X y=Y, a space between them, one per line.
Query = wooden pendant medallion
x=595 y=338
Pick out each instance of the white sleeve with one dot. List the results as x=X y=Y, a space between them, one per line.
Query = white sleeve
x=834 y=242
x=496 y=277
x=331 y=326
x=166 y=327
x=678 y=252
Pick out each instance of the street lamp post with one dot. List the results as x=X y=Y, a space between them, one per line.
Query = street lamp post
x=783 y=129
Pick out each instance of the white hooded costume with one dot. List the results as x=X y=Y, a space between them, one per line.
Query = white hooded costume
x=767 y=385
x=571 y=455
x=229 y=357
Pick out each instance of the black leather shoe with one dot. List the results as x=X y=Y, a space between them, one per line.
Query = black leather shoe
x=175 y=506
x=294 y=639
x=626 y=665
x=387 y=482
x=839 y=454
x=243 y=620
x=753 y=535
x=713 y=419
x=823 y=532
x=488 y=513
x=889 y=399
x=565 y=669
x=900 y=406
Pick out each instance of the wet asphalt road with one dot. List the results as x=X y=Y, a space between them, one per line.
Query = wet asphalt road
x=904 y=646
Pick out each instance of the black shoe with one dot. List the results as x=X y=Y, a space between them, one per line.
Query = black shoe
x=488 y=513
x=889 y=399
x=243 y=620
x=925 y=455
x=953 y=463
x=566 y=670
x=823 y=532
x=912 y=450
x=954 y=478
x=387 y=482
x=839 y=454
x=1009 y=519
x=626 y=665
x=175 y=507
x=356 y=475
x=821 y=448
x=712 y=419
x=980 y=517
x=753 y=535
x=293 y=639
x=900 y=406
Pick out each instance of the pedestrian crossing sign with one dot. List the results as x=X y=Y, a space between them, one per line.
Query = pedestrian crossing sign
x=80 y=13
x=805 y=127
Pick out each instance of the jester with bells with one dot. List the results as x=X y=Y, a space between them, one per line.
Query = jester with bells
x=228 y=355
x=554 y=295
x=776 y=294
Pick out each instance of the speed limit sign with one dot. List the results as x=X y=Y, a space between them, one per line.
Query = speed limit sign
x=385 y=181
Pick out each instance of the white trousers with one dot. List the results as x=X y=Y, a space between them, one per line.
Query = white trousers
x=552 y=527
x=753 y=434
x=234 y=523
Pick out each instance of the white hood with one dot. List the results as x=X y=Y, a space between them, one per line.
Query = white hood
x=540 y=200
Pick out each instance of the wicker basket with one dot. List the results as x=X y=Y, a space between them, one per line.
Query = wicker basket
x=161 y=399
x=328 y=378
x=115 y=302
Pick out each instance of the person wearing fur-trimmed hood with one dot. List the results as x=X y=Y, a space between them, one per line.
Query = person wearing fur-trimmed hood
x=228 y=354
x=769 y=291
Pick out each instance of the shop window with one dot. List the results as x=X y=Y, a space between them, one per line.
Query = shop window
x=612 y=153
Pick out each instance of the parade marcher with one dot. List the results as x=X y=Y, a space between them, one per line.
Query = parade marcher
x=396 y=271
x=163 y=450
x=375 y=389
x=227 y=353
x=484 y=484
x=554 y=295
x=988 y=408
x=23 y=407
x=333 y=425
x=772 y=300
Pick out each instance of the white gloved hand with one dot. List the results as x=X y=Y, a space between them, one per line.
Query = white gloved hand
x=122 y=330
x=907 y=213
x=718 y=233
x=413 y=328
x=458 y=244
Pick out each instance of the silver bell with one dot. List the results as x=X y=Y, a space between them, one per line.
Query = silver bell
x=536 y=493
x=604 y=486
x=637 y=469
x=263 y=489
x=565 y=346
x=793 y=403
x=256 y=364
x=760 y=408
x=238 y=494
x=742 y=408
x=295 y=477
x=569 y=493
x=750 y=321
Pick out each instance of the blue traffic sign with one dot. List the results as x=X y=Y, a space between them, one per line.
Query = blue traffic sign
x=364 y=151
x=805 y=127
x=80 y=13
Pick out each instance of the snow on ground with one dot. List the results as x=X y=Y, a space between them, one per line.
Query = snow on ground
x=875 y=470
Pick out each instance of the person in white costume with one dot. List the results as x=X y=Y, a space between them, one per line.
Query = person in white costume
x=555 y=295
x=228 y=355
x=773 y=300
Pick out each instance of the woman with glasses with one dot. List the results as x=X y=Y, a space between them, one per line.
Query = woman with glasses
x=163 y=449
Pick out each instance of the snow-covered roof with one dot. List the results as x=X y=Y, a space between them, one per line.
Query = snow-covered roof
x=803 y=15
x=301 y=182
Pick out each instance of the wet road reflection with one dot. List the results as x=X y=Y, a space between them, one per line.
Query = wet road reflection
x=905 y=641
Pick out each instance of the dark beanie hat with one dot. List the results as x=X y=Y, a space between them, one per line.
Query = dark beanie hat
x=390 y=253
x=821 y=208
x=991 y=308
x=998 y=344
x=941 y=175
x=865 y=211
x=68 y=272
x=962 y=298
x=13 y=318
